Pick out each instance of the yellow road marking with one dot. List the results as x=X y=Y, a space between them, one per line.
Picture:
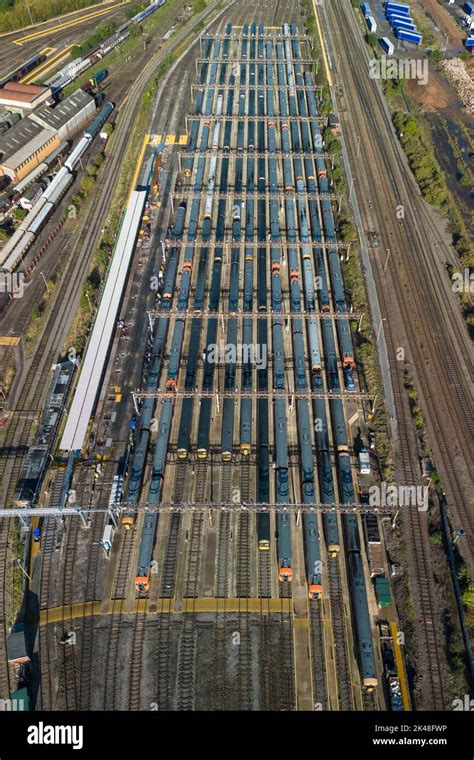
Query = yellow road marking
x=163 y=606
x=301 y=623
x=321 y=41
x=35 y=545
x=400 y=668
x=47 y=65
x=74 y=22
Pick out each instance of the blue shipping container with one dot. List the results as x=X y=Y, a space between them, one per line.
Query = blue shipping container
x=393 y=14
x=372 y=24
x=414 y=37
x=404 y=10
x=387 y=45
x=408 y=25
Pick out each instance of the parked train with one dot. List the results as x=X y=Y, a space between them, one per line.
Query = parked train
x=71 y=71
x=320 y=351
x=24 y=69
x=14 y=250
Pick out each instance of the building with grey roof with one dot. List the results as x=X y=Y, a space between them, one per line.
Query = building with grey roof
x=68 y=116
x=28 y=143
x=25 y=146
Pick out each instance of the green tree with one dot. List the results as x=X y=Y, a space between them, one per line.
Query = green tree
x=87 y=185
x=435 y=55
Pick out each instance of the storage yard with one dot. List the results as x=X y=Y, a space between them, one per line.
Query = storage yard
x=211 y=453
x=199 y=450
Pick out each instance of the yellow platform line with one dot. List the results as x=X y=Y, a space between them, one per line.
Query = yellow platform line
x=35 y=545
x=74 y=22
x=207 y=605
x=6 y=340
x=47 y=65
x=47 y=51
x=400 y=669
x=146 y=140
x=321 y=42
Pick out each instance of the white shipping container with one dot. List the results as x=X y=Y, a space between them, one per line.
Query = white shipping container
x=387 y=45
x=372 y=24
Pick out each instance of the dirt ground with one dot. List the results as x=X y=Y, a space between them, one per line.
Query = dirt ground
x=445 y=23
x=436 y=95
x=440 y=95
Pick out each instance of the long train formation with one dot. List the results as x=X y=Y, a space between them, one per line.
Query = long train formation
x=305 y=222
x=28 y=230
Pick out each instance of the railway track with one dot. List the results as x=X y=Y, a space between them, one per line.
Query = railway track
x=168 y=575
x=165 y=700
x=223 y=552
x=60 y=313
x=338 y=619
x=122 y=571
x=318 y=664
x=286 y=678
x=246 y=693
x=264 y=574
x=179 y=482
x=86 y=696
x=69 y=667
x=47 y=696
x=266 y=692
x=431 y=333
x=136 y=663
x=4 y=670
x=194 y=556
x=113 y=664
x=18 y=434
x=243 y=579
x=369 y=701
x=185 y=681
x=416 y=525
x=224 y=536
x=201 y=481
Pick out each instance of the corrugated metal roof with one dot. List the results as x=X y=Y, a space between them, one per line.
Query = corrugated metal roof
x=29 y=148
x=64 y=111
x=21 y=135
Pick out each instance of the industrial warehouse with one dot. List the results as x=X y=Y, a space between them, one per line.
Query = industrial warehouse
x=221 y=490
x=32 y=139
